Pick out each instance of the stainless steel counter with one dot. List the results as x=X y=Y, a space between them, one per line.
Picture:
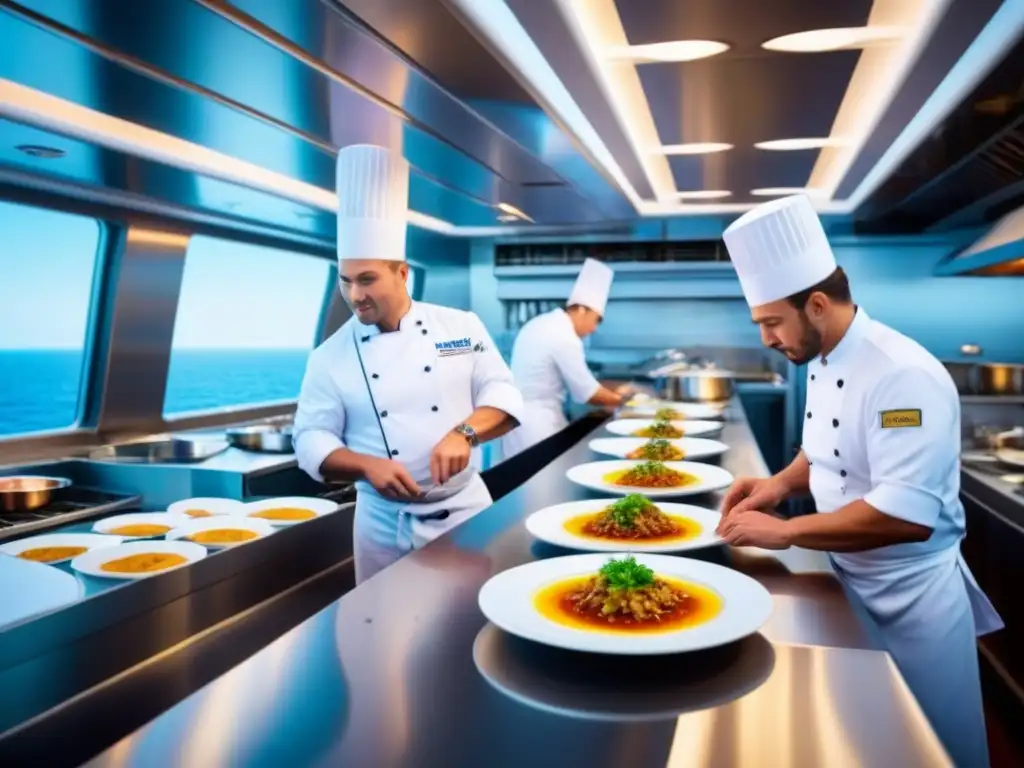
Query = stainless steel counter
x=404 y=671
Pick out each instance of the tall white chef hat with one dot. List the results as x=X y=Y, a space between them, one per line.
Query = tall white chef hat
x=779 y=249
x=592 y=286
x=373 y=203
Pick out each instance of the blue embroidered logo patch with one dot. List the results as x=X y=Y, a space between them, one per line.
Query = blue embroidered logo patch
x=454 y=347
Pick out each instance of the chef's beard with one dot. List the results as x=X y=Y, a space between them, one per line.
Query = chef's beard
x=810 y=343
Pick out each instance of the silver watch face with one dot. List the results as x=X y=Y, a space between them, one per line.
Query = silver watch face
x=468 y=431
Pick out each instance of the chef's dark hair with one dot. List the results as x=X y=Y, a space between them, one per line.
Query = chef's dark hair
x=836 y=286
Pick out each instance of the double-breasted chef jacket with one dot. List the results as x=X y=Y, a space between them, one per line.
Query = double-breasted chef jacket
x=882 y=424
x=425 y=378
x=548 y=364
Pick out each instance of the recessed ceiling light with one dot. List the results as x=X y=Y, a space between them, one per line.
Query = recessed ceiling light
x=695 y=148
x=781 y=191
x=703 y=194
x=507 y=217
x=678 y=50
x=837 y=39
x=38 y=150
x=791 y=144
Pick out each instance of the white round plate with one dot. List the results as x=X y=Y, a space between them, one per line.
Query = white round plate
x=88 y=540
x=692 y=447
x=89 y=563
x=312 y=503
x=217 y=522
x=685 y=410
x=1012 y=456
x=629 y=427
x=507 y=600
x=548 y=525
x=712 y=478
x=214 y=506
x=108 y=524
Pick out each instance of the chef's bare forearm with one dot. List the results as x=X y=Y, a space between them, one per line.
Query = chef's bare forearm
x=490 y=423
x=343 y=464
x=796 y=478
x=854 y=528
x=605 y=397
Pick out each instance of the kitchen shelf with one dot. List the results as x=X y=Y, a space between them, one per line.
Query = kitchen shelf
x=992 y=399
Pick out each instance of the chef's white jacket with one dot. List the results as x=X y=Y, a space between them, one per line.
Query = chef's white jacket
x=882 y=424
x=549 y=364
x=420 y=381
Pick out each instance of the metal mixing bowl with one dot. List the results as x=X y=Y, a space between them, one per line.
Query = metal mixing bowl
x=23 y=493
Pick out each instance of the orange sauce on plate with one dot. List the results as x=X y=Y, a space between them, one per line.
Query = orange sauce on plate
x=669 y=434
x=553 y=603
x=51 y=554
x=141 y=529
x=198 y=513
x=144 y=562
x=615 y=478
x=285 y=513
x=578 y=526
x=223 y=536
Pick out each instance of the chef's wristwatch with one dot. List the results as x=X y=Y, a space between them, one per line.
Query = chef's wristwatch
x=469 y=433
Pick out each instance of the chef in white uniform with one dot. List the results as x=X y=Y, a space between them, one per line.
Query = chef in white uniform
x=399 y=396
x=881 y=445
x=548 y=361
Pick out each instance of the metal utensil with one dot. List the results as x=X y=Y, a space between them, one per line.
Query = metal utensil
x=23 y=493
x=264 y=438
x=698 y=386
x=160 y=451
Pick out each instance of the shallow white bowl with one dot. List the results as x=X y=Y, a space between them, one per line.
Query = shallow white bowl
x=89 y=540
x=108 y=524
x=213 y=505
x=628 y=427
x=316 y=505
x=260 y=527
x=548 y=525
x=692 y=447
x=89 y=563
x=507 y=600
x=711 y=478
x=685 y=410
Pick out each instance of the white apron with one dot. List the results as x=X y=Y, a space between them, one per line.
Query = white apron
x=386 y=530
x=541 y=419
x=922 y=596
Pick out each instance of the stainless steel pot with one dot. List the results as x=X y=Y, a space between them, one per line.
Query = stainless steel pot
x=999 y=379
x=265 y=438
x=698 y=386
x=23 y=493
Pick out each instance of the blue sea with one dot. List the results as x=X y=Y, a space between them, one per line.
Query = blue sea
x=39 y=389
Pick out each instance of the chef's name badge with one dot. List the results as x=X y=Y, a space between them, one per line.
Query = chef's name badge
x=910 y=417
x=454 y=347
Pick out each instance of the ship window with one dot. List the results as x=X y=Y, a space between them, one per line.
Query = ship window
x=47 y=269
x=247 y=319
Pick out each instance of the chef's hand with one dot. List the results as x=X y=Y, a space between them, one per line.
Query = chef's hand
x=449 y=457
x=391 y=480
x=748 y=493
x=755 y=529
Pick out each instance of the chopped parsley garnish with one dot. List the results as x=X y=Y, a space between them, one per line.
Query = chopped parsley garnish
x=656 y=447
x=664 y=414
x=625 y=511
x=661 y=427
x=627 y=573
x=648 y=468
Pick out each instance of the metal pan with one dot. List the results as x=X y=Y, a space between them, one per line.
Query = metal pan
x=998 y=379
x=263 y=438
x=24 y=493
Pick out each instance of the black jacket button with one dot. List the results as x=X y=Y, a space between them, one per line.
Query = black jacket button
x=366 y=339
x=839 y=383
x=383 y=414
x=427 y=369
x=835 y=422
x=812 y=377
x=375 y=376
x=394 y=452
x=808 y=414
x=842 y=473
x=419 y=322
x=433 y=408
x=836 y=452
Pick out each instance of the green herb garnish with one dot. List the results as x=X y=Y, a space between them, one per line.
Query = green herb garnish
x=661 y=427
x=664 y=414
x=625 y=511
x=648 y=469
x=627 y=573
x=655 y=448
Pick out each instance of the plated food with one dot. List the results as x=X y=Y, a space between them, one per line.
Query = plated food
x=54 y=548
x=221 y=532
x=626 y=604
x=633 y=523
x=669 y=430
x=203 y=507
x=139 y=525
x=138 y=559
x=658 y=449
x=667 y=411
x=289 y=510
x=652 y=478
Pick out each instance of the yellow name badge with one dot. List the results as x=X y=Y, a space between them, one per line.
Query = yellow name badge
x=910 y=417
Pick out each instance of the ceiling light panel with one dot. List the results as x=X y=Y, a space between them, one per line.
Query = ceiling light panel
x=695 y=148
x=678 y=50
x=786 y=145
x=843 y=38
x=704 y=194
x=784 y=191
